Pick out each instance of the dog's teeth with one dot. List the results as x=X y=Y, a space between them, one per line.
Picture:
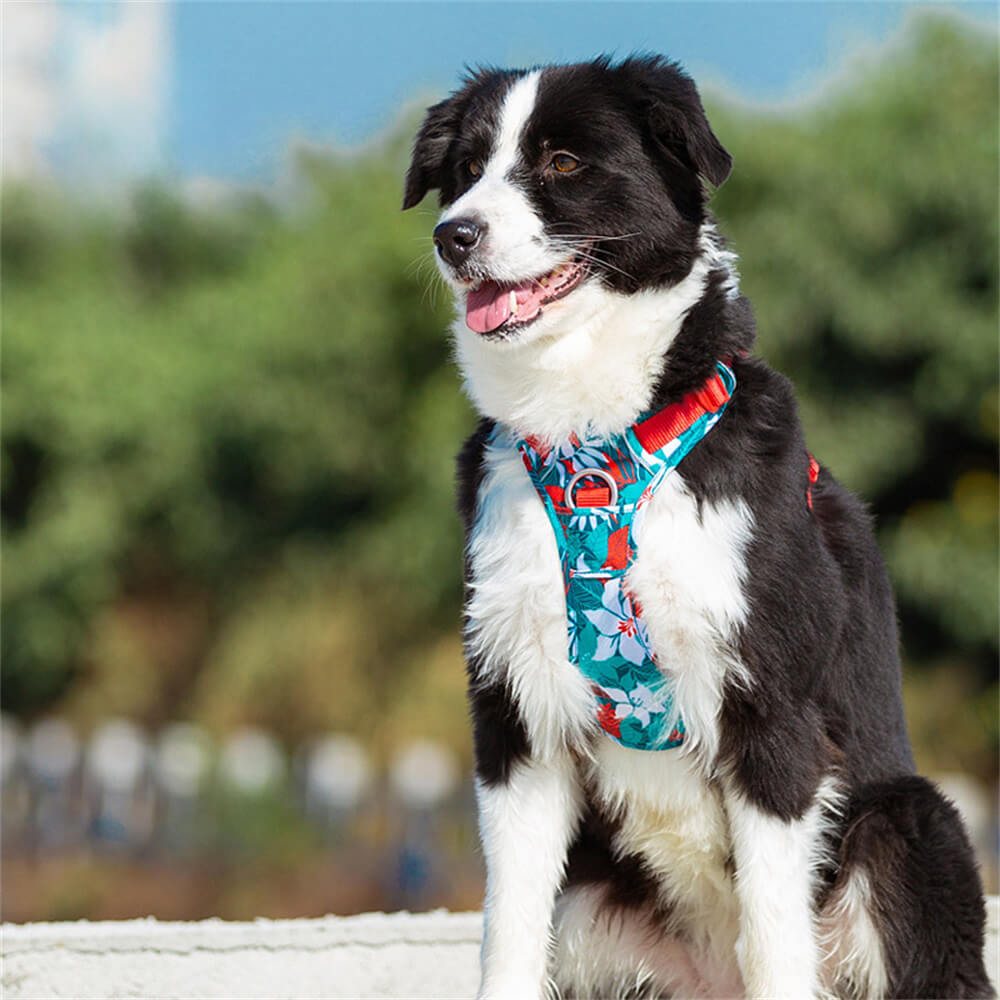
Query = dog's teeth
x=513 y=302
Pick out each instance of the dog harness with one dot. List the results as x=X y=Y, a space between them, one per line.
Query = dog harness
x=594 y=492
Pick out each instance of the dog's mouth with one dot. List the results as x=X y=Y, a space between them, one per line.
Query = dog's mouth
x=493 y=307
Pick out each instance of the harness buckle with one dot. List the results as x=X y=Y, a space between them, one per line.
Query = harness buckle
x=585 y=474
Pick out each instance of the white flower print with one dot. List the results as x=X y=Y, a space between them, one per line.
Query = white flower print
x=641 y=703
x=589 y=522
x=570 y=456
x=620 y=631
x=584 y=454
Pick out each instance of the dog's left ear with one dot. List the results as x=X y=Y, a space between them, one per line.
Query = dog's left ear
x=677 y=119
x=430 y=149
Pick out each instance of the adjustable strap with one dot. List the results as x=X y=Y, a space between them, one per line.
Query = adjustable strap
x=667 y=428
x=662 y=427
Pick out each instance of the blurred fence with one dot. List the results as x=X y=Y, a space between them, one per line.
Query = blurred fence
x=177 y=824
x=178 y=800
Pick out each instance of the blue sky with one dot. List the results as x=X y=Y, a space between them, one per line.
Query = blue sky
x=219 y=89
x=250 y=76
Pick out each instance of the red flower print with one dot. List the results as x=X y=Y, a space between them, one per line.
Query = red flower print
x=618 y=549
x=609 y=722
x=628 y=627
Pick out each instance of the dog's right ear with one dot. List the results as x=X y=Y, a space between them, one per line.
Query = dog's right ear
x=430 y=149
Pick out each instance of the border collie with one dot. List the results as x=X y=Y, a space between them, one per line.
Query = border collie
x=785 y=847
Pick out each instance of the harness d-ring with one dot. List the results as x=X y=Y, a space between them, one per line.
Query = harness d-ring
x=585 y=474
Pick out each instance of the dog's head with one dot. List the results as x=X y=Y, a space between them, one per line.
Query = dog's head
x=561 y=179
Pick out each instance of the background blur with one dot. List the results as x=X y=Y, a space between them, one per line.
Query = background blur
x=232 y=681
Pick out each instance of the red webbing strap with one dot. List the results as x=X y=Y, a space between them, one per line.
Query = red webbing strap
x=592 y=496
x=661 y=428
x=813 y=476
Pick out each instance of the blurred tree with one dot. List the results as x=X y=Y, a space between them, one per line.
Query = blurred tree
x=228 y=433
x=868 y=234
x=219 y=410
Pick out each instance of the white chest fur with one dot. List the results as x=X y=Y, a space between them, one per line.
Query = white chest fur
x=517 y=609
x=688 y=577
x=674 y=819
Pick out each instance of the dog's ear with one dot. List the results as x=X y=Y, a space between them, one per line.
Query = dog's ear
x=430 y=149
x=677 y=119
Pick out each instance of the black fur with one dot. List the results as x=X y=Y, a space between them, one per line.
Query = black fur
x=453 y=132
x=469 y=472
x=498 y=735
x=821 y=642
x=592 y=860
x=910 y=842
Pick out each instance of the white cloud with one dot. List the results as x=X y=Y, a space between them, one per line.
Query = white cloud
x=29 y=98
x=84 y=89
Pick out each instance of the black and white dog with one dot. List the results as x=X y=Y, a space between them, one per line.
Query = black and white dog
x=786 y=849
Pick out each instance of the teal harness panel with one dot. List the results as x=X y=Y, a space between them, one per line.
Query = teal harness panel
x=594 y=492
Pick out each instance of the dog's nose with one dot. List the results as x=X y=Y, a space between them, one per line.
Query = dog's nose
x=456 y=239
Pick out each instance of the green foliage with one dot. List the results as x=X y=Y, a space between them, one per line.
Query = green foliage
x=228 y=432
x=278 y=413
x=868 y=239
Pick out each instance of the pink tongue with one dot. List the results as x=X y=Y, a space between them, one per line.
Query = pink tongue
x=487 y=307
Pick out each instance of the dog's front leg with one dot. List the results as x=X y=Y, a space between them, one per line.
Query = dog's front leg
x=526 y=823
x=775 y=861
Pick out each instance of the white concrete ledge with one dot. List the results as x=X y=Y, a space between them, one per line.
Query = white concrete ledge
x=374 y=955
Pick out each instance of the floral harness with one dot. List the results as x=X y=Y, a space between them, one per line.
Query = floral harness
x=595 y=527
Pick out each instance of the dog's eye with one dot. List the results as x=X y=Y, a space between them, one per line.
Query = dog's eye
x=474 y=168
x=564 y=163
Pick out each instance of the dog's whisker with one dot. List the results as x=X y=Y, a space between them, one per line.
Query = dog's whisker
x=435 y=285
x=423 y=267
x=592 y=236
x=607 y=265
x=415 y=264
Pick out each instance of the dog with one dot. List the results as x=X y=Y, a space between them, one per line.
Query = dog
x=770 y=838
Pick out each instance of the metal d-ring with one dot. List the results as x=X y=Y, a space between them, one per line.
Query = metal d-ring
x=585 y=474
